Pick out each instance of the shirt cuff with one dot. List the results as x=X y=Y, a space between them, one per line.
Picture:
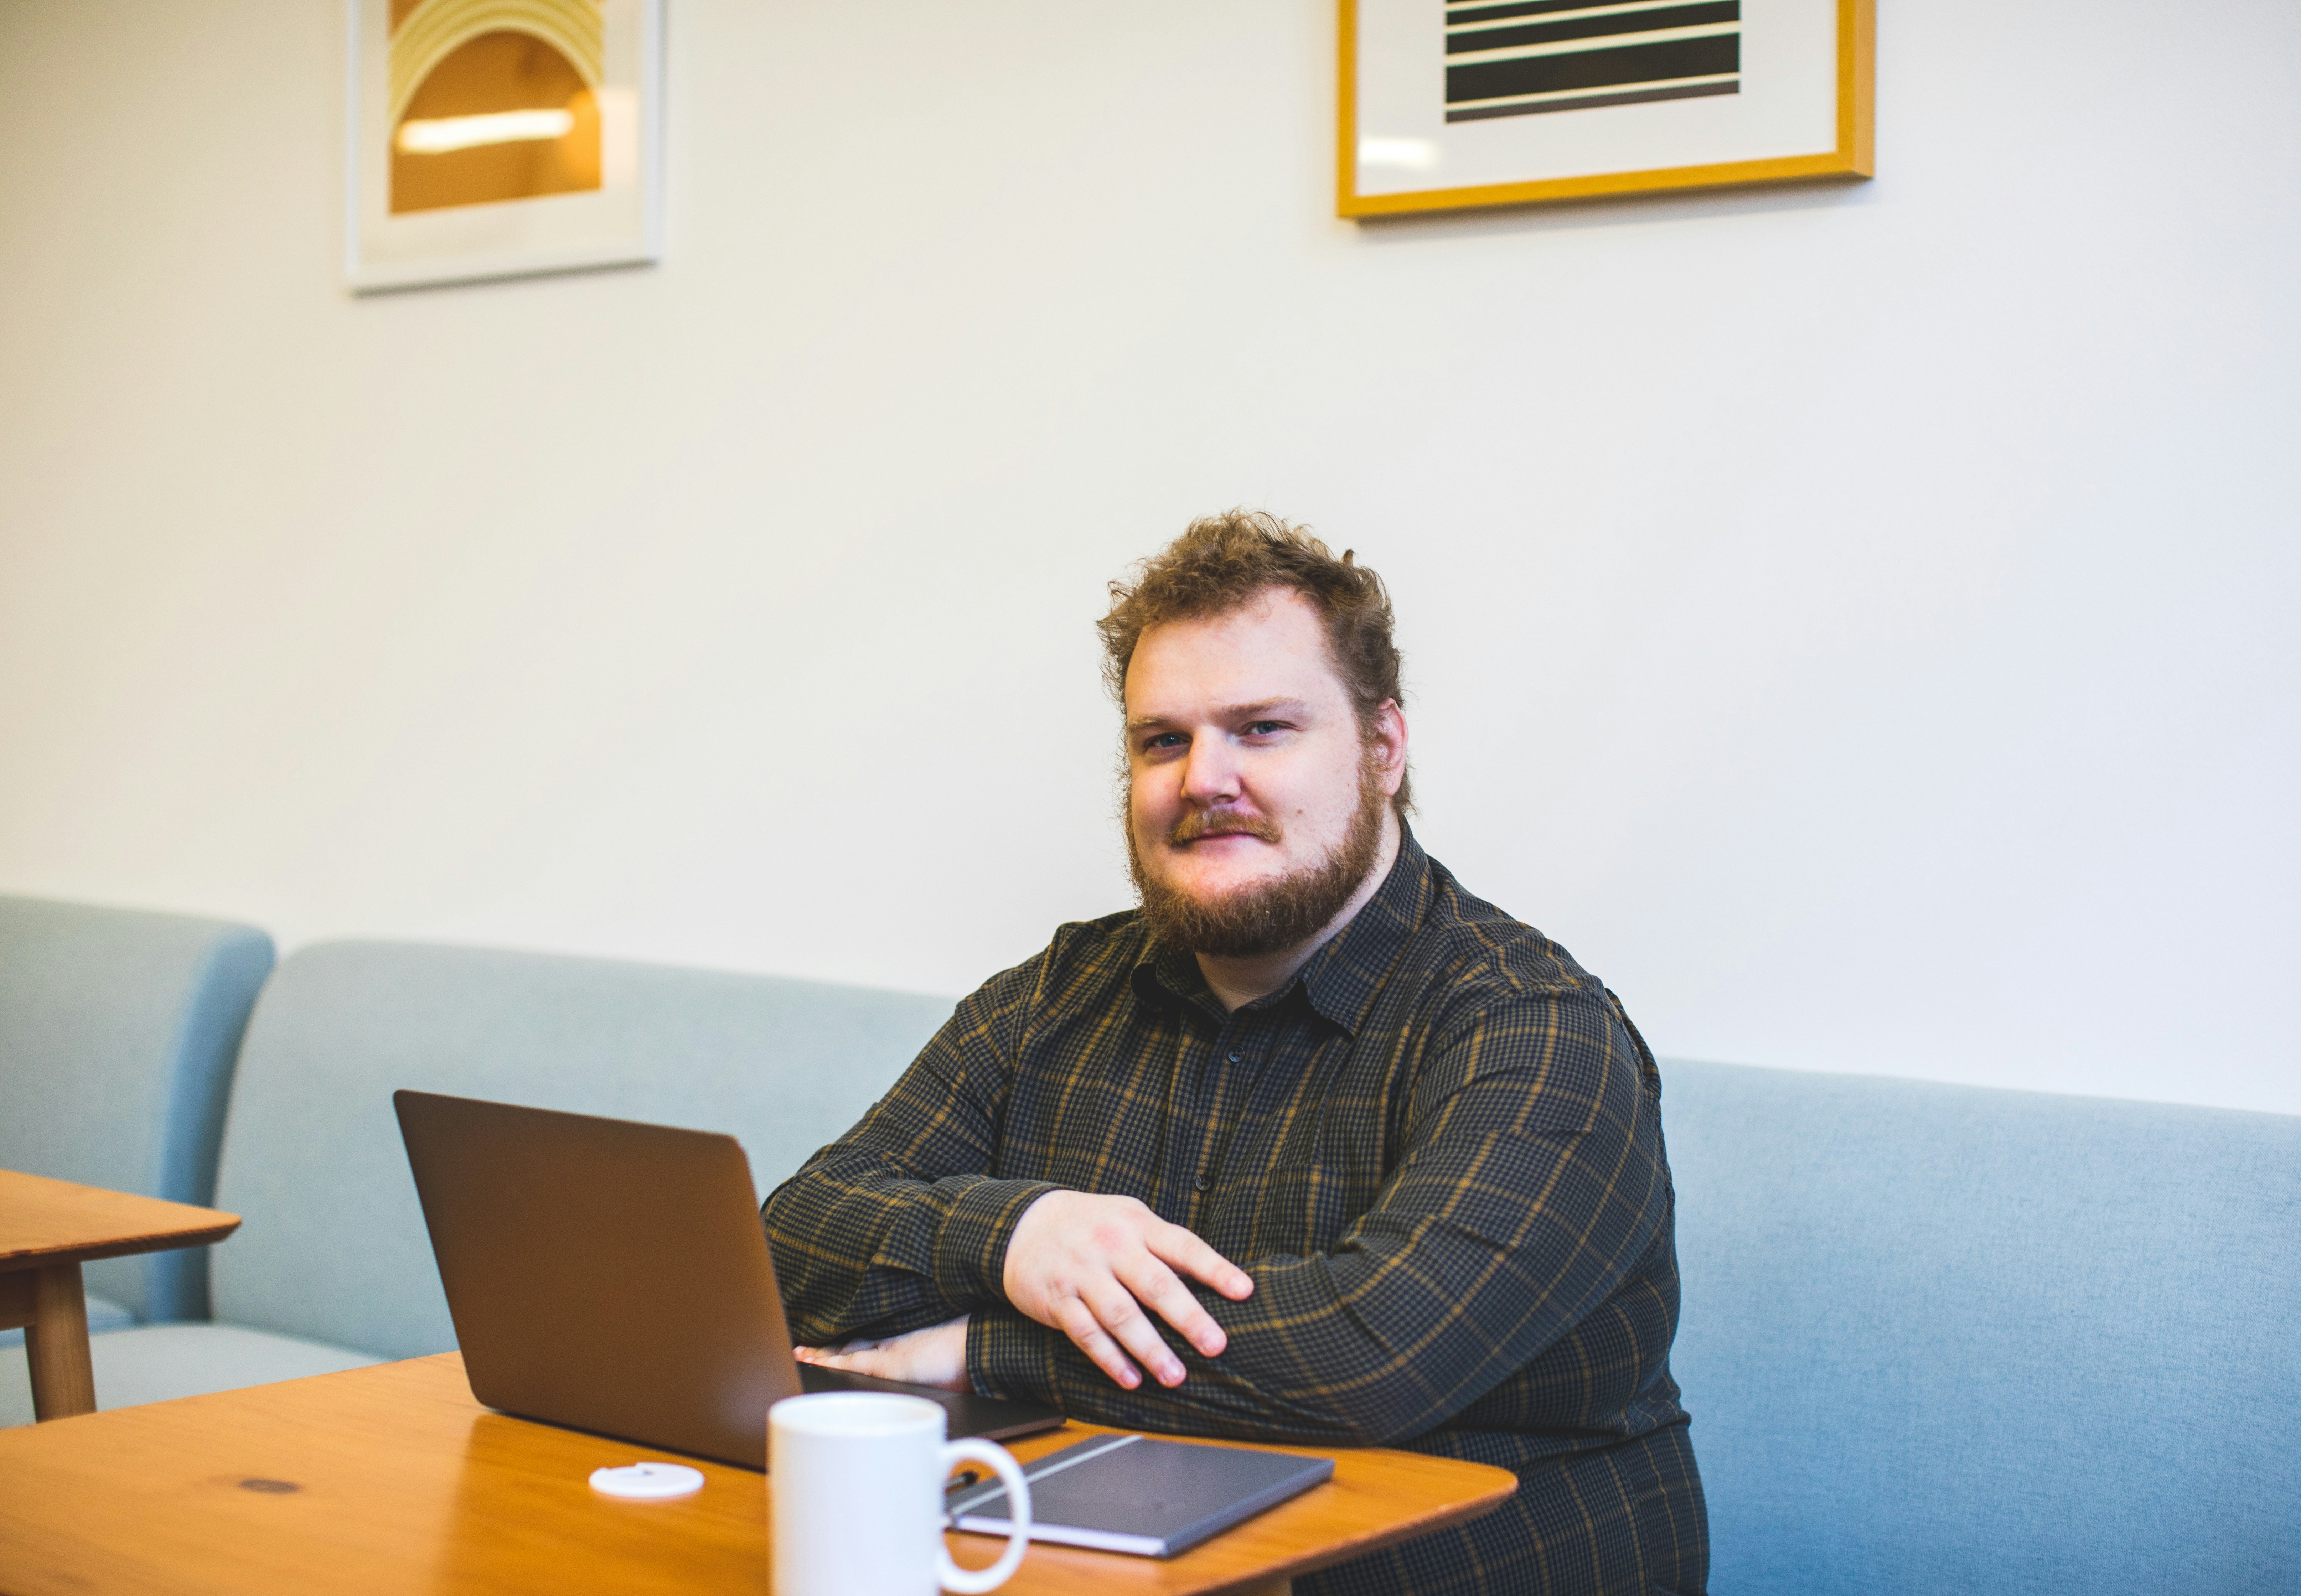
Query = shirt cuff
x=1010 y=1354
x=970 y=1251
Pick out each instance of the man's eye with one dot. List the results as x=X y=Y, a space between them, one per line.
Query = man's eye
x=1165 y=740
x=1263 y=728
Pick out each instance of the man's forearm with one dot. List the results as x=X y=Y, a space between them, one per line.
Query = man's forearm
x=860 y=1247
x=1430 y=1303
x=897 y=1224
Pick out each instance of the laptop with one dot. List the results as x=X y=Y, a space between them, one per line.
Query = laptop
x=615 y=1277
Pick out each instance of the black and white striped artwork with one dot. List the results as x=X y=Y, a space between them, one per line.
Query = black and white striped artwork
x=1446 y=105
x=1521 y=57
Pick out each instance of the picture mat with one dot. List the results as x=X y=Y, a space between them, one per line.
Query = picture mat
x=1787 y=107
x=616 y=223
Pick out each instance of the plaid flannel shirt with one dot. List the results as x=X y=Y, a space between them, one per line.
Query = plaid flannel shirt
x=1437 y=1151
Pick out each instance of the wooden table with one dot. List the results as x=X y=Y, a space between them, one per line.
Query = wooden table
x=393 y=1479
x=47 y=1230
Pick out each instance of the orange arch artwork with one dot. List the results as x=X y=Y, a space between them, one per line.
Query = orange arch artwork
x=493 y=100
x=501 y=138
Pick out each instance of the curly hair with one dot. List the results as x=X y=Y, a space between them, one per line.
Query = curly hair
x=1221 y=562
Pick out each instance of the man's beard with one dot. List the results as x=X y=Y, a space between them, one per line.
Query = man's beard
x=1269 y=916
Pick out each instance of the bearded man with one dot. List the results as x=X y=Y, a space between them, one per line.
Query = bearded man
x=1334 y=1151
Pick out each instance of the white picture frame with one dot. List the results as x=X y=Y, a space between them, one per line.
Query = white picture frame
x=491 y=138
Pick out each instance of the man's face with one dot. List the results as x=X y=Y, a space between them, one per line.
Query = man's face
x=1250 y=786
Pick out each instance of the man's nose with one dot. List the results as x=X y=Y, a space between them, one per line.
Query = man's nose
x=1210 y=776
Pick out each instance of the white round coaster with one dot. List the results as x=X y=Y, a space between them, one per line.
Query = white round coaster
x=648 y=1481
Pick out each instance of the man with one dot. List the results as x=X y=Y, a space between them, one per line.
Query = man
x=1329 y=1148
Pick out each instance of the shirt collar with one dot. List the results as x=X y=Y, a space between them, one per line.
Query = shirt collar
x=1341 y=981
x=1164 y=975
x=1342 y=977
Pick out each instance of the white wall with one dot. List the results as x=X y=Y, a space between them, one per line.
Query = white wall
x=1859 y=622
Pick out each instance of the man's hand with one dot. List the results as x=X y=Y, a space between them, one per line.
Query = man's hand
x=1088 y=1266
x=935 y=1356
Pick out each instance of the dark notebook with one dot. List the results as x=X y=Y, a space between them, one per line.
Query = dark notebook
x=1131 y=1493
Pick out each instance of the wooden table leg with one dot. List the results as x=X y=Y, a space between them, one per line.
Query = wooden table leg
x=56 y=1344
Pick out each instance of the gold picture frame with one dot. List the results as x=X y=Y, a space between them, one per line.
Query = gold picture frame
x=1418 y=130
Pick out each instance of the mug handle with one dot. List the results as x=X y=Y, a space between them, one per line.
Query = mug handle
x=974 y=1581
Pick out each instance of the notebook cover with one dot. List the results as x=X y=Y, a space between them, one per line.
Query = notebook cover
x=1131 y=1493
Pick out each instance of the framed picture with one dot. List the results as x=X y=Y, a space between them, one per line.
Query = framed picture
x=1452 y=104
x=501 y=138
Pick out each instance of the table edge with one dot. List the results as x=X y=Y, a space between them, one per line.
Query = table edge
x=203 y=1235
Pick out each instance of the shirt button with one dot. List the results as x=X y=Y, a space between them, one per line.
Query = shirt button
x=1200 y=1184
x=1234 y=1058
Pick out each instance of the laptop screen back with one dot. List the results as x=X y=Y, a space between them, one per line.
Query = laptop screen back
x=604 y=1274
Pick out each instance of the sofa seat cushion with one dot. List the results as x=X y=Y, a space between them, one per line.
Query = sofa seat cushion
x=153 y=1363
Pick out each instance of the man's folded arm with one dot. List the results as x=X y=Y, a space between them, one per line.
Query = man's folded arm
x=1530 y=1183
x=899 y=1225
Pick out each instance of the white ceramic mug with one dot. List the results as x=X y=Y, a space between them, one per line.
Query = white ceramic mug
x=857 y=1483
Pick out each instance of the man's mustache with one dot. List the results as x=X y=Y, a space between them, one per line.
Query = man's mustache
x=1222 y=823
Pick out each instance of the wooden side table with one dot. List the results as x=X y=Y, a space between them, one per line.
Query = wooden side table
x=47 y=1230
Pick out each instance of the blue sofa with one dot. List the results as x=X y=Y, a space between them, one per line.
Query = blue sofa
x=332 y=1268
x=1934 y=1338
x=118 y=1033
x=1946 y=1339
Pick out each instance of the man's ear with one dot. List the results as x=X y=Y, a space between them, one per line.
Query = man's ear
x=1386 y=742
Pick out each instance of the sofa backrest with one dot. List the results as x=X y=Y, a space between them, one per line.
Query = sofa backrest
x=1937 y=1338
x=118 y=1030
x=333 y=1245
